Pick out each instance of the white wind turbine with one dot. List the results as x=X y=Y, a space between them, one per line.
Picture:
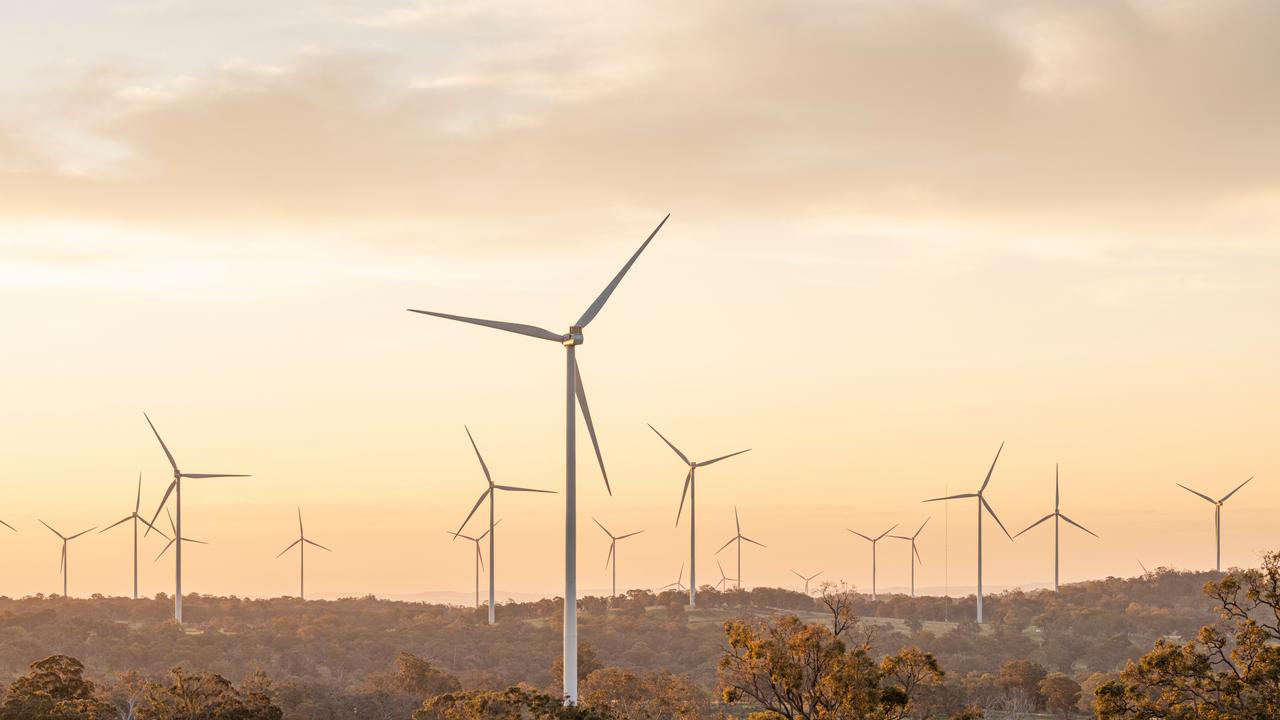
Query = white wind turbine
x=479 y=555
x=873 y=541
x=489 y=492
x=679 y=583
x=806 y=580
x=136 y=518
x=915 y=553
x=1217 y=519
x=573 y=391
x=1056 y=515
x=691 y=490
x=302 y=542
x=739 y=537
x=723 y=584
x=64 y=567
x=613 y=553
x=982 y=504
x=175 y=539
x=175 y=488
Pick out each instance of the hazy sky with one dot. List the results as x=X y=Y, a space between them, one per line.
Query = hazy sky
x=901 y=233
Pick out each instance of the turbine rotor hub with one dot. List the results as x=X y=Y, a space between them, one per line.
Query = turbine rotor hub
x=574 y=337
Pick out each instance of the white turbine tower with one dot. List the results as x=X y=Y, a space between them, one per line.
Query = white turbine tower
x=490 y=492
x=723 y=584
x=479 y=555
x=302 y=542
x=613 y=552
x=739 y=537
x=573 y=390
x=175 y=537
x=873 y=541
x=678 y=584
x=136 y=518
x=175 y=488
x=1056 y=515
x=982 y=505
x=806 y=580
x=1217 y=519
x=64 y=568
x=915 y=553
x=691 y=490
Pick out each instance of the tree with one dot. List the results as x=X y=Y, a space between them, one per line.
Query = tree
x=511 y=704
x=204 y=696
x=839 y=600
x=1060 y=693
x=625 y=695
x=1022 y=678
x=54 y=689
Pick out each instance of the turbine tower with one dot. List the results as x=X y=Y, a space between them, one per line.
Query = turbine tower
x=691 y=490
x=1056 y=515
x=736 y=538
x=302 y=542
x=573 y=391
x=873 y=541
x=1217 y=519
x=175 y=488
x=489 y=492
x=63 y=566
x=982 y=505
x=136 y=518
x=806 y=580
x=915 y=553
x=479 y=555
x=613 y=554
x=678 y=584
x=174 y=539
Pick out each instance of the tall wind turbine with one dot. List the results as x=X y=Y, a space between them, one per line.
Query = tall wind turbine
x=479 y=555
x=806 y=580
x=573 y=391
x=1056 y=515
x=613 y=553
x=982 y=505
x=739 y=537
x=302 y=542
x=136 y=518
x=873 y=541
x=175 y=539
x=678 y=584
x=1217 y=519
x=723 y=584
x=490 y=492
x=915 y=553
x=691 y=490
x=63 y=567
x=175 y=488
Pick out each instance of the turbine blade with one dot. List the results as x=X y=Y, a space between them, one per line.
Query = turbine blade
x=673 y=447
x=8 y=526
x=517 y=328
x=125 y=520
x=160 y=507
x=193 y=540
x=864 y=537
x=165 y=550
x=484 y=534
x=316 y=544
x=1193 y=492
x=722 y=547
x=723 y=457
x=952 y=497
x=171 y=525
x=211 y=475
x=282 y=552
x=737 y=523
x=1073 y=522
x=1233 y=492
x=172 y=462
x=886 y=532
x=602 y=527
x=138 y=505
x=926 y=522
x=623 y=537
x=1046 y=517
x=474 y=508
x=987 y=505
x=815 y=575
x=993 y=469
x=917 y=553
x=83 y=532
x=609 y=559
x=753 y=542
x=300 y=532
x=513 y=488
x=1057 y=491
x=480 y=556
x=62 y=565
x=581 y=392
x=793 y=572
x=451 y=534
x=488 y=478
x=592 y=311
x=687 y=479
x=55 y=532
x=717 y=565
x=152 y=527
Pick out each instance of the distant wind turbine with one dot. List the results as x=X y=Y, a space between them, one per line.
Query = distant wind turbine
x=479 y=555
x=982 y=505
x=1217 y=519
x=1145 y=571
x=302 y=542
x=175 y=539
x=691 y=491
x=806 y=579
x=573 y=391
x=723 y=584
x=873 y=541
x=738 y=538
x=678 y=584
x=613 y=553
x=490 y=492
x=63 y=567
x=175 y=488
x=1056 y=515
x=136 y=518
x=915 y=552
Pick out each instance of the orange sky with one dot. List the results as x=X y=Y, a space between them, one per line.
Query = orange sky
x=901 y=233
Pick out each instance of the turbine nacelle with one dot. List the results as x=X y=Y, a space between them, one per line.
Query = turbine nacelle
x=574 y=338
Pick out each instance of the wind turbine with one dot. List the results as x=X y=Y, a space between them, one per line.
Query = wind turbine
x=806 y=579
x=175 y=488
x=489 y=492
x=915 y=553
x=613 y=555
x=739 y=538
x=302 y=542
x=175 y=539
x=982 y=504
x=573 y=391
x=1145 y=571
x=63 y=567
x=1056 y=515
x=678 y=584
x=873 y=541
x=691 y=490
x=136 y=518
x=479 y=555
x=724 y=579
x=1217 y=519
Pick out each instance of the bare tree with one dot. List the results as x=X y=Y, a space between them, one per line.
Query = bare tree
x=838 y=597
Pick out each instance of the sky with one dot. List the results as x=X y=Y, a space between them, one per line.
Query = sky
x=901 y=234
